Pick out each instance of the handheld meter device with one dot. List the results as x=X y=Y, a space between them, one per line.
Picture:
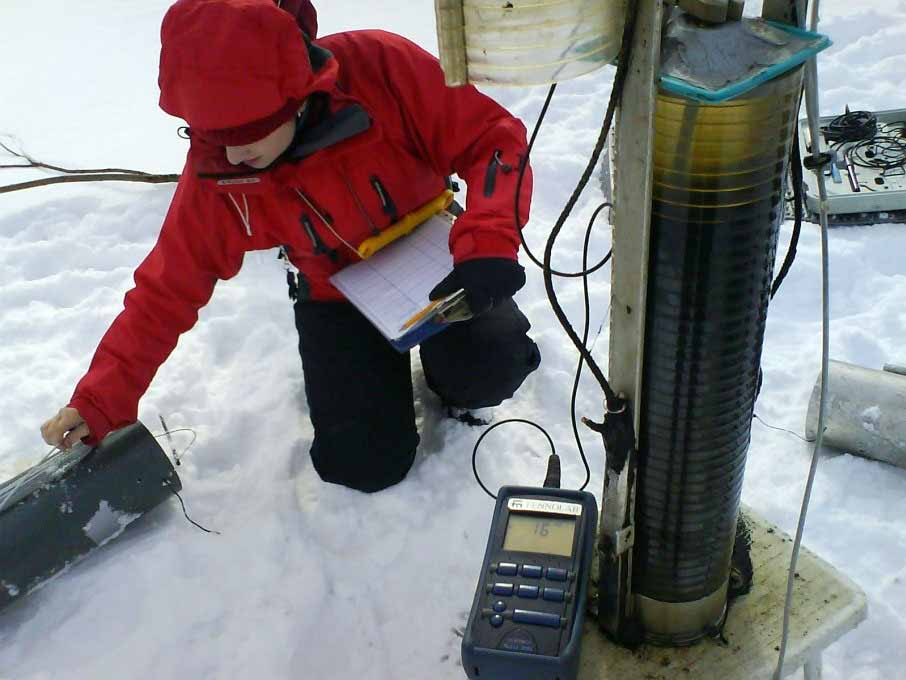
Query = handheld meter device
x=526 y=618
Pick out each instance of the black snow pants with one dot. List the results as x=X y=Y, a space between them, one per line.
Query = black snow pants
x=359 y=389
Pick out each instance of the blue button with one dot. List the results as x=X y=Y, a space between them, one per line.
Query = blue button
x=506 y=569
x=536 y=618
x=531 y=571
x=505 y=589
x=499 y=606
x=554 y=594
x=556 y=574
x=497 y=620
x=530 y=592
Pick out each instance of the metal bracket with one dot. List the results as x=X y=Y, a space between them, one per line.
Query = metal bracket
x=624 y=539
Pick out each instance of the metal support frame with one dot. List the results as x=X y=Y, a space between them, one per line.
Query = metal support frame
x=828 y=605
x=813 y=669
x=632 y=162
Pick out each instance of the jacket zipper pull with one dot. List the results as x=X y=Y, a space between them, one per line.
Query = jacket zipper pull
x=387 y=203
x=317 y=243
x=490 y=177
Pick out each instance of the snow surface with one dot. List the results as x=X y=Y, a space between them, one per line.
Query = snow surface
x=338 y=584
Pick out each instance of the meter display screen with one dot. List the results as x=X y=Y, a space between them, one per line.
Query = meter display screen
x=540 y=534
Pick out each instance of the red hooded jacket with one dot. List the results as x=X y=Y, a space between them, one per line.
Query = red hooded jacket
x=389 y=134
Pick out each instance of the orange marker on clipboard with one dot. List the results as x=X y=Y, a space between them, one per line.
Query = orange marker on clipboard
x=418 y=316
x=452 y=308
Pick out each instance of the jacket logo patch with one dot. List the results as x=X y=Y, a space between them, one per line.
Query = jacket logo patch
x=243 y=180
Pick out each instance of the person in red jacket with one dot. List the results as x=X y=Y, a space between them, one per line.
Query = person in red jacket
x=313 y=145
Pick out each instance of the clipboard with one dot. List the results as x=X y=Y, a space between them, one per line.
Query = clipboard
x=391 y=286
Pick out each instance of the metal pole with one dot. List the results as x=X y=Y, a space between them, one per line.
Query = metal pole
x=814 y=111
x=813 y=670
x=633 y=176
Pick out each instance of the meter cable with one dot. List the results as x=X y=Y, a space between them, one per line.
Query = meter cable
x=617 y=428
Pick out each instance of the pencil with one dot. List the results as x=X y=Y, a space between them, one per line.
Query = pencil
x=418 y=316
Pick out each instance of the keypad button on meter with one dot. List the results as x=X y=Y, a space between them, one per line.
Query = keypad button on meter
x=506 y=569
x=505 y=589
x=530 y=592
x=556 y=574
x=531 y=571
x=554 y=594
x=499 y=606
x=536 y=618
x=497 y=620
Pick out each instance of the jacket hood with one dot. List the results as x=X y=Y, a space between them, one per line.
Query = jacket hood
x=305 y=14
x=227 y=63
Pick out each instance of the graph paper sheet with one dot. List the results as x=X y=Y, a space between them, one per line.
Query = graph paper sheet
x=391 y=286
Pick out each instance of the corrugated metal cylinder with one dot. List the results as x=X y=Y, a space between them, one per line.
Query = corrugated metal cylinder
x=717 y=207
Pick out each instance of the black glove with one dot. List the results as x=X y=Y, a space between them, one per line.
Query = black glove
x=486 y=280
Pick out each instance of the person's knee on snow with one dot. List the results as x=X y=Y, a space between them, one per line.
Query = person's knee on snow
x=481 y=362
x=357 y=454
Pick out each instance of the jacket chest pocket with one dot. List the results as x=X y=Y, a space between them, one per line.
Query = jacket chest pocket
x=356 y=200
x=388 y=185
x=318 y=228
x=374 y=204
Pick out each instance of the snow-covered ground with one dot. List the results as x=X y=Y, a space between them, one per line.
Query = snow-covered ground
x=310 y=580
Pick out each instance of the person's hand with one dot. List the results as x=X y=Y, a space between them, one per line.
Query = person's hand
x=486 y=280
x=65 y=429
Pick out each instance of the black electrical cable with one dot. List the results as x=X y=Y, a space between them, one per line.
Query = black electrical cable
x=614 y=404
x=851 y=126
x=572 y=410
x=798 y=209
x=870 y=144
x=185 y=512
x=881 y=152
x=586 y=299
x=522 y=167
x=488 y=431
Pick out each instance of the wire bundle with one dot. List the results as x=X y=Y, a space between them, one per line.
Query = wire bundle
x=870 y=144
x=886 y=150
x=852 y=126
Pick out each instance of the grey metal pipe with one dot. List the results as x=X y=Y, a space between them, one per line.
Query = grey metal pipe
x=895 y=368
x=56 y=513
x=866 y=412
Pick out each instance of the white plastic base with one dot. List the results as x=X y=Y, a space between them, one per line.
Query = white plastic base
x=826 y=605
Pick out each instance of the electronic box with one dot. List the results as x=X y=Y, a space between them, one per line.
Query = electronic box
x=526 y=618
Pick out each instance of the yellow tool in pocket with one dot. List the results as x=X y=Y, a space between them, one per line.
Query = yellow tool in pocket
x=403 y=226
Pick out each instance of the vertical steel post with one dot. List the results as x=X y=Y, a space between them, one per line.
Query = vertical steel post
x=451 y=41
x=632 y=162
x=813 y=669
